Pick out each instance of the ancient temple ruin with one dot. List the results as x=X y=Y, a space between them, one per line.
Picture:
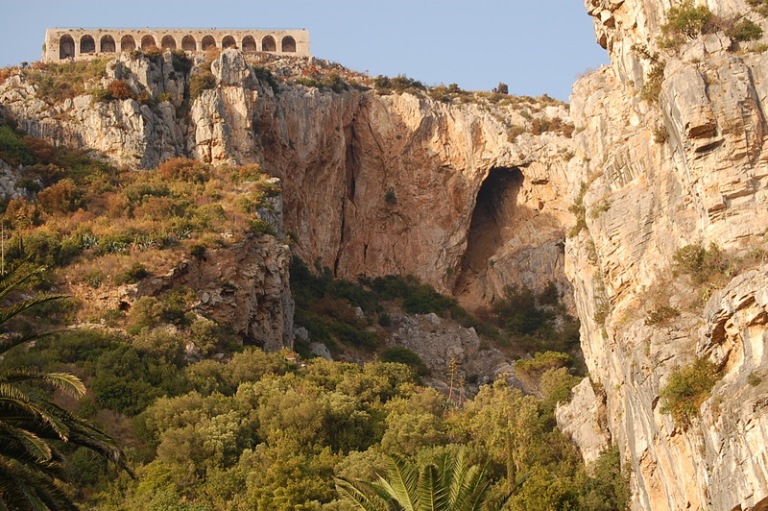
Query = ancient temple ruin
x=63 y=44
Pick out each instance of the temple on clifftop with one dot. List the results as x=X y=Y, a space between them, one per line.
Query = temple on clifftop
x=63 y=44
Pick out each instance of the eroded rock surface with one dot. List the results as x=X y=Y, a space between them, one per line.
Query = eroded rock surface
x=373 y=184
x=687 y=165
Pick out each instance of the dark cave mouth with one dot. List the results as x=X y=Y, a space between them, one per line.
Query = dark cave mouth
x=492 y=218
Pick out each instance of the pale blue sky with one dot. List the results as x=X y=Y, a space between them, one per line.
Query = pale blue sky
x=535 y=46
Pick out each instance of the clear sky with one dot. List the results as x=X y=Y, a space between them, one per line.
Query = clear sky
x=535 y=46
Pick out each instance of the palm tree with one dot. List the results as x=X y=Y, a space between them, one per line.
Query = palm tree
x=448 y=484
x=32 y=428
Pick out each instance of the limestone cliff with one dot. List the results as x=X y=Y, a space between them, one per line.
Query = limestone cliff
x=373 y=184
x=674 y=152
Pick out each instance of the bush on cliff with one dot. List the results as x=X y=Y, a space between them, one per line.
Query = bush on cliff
x=688 y=387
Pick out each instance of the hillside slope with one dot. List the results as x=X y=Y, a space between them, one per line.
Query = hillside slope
x=375 y=182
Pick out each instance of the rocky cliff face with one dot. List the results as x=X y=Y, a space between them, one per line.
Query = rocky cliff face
x=689 y=167
x=373 y=184
x=668 y=152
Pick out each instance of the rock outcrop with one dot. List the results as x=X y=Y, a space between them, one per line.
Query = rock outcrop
x=373 y=184
x=676 y=156
x=451 y=352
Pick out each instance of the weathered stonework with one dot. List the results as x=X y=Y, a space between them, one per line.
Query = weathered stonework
x=62 y=44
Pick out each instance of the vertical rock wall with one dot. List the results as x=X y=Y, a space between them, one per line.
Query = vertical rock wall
x=683 y=165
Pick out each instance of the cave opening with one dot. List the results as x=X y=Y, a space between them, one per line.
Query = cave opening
x=493 y=215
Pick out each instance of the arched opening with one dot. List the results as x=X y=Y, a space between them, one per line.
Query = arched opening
x=147 y=42
x=107 y=44
x=168 y=42
x=288 y=44
x=188 y=43
x=87 y=45
x=66 y=47
x=127 y=43
x=488 y=230
x=249 y=43
x=268 y=44
x=228 y=42
x=209 y=43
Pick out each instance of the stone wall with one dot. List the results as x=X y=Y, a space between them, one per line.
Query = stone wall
x=66 y=43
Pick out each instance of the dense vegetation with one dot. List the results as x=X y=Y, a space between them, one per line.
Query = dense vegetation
x=210 y=424
x=36 y=434
x=261 y=431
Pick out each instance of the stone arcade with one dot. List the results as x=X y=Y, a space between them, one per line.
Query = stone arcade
x=78 y=43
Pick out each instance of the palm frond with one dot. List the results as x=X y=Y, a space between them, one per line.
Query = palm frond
x=8 y=313
x=85 y=435
x=434 y=494
x=11 y=280
x=10 y=341
x=402 y=483
x=361 y=495
x=24 y=487
x=32 y=475
x=65 y=382
x=22 y=443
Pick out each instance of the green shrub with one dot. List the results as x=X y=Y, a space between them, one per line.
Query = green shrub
x=579 y=210
x=61 y=197
x=403 y=355
x=200 y=82
x=12 y=149
x=400 y=84
x=653 y=82
x=265 y=75
x=94 y=278
x=501 y=88
x=745 y=30
x=544 y=361
x=699 y=263
x=184 y=169
x=114 y=243
x=384 y=319
x=687 y=388
x=181 y=62
x=149 y=312
x=330 y=81
x=519 y=313
x=81 y=345
x=136 y=192
x=660 y=314
x=608 y=488
x=259 y=226
x=684 y=21
x=57 y=82
x=131 y=275
x=42 y=247
x=541 y=125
